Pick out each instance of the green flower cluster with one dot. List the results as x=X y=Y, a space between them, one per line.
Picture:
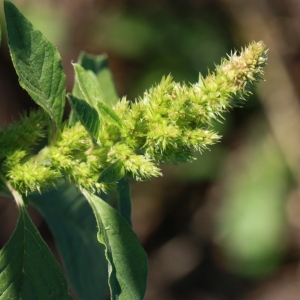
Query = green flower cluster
x=25 y=134
x=173 y=120
x=167 y=124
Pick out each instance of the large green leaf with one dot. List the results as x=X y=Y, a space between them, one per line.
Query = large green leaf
x=99 y=65
x=37 y=63
x=128 y=267
x=73 y=225
x=28 y=269
x=87 y=115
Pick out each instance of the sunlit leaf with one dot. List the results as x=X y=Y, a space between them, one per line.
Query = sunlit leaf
x=88 y=85
x=127 y=259
x=91 y=92
x=37 y=63
x=99 y=65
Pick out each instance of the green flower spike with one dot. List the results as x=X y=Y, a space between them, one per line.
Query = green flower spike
x=167 y=124
x=172 y=120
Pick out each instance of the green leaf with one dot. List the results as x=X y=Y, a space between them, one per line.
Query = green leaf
x=124 y=199
x=87 y=115
x=108 y=113
x=73 y=225
x=28 y=269
x=102 y=85
x=113 y=173
x=37 y=63
x=76 y=92
x=88 y=85
x=128 y=267
x=90 y=89
x=98 y=64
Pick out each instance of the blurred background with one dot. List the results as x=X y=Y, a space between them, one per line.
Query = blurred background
x=228 y=225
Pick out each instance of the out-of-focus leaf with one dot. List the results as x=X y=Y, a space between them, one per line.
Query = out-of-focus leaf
x=253 y=225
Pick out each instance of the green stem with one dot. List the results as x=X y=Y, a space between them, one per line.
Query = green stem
x=16 y=195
